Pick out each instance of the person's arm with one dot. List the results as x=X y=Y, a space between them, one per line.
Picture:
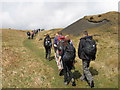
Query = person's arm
x=44 y=41
x=59 y=59
x=80 y=47
x=54 y=45
x=50 y=42
x=61 y=54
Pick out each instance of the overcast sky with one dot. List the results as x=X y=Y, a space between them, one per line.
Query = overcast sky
x=49 y=14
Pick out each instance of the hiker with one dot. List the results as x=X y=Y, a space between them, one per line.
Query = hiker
x=86 y=52
x=39 y=30
x=36 y=31
x=58 y=34
x=28 y=34
x=32 y=34
x=47 y=45
x=67 y=56
x=60 y=41
x=71 y=43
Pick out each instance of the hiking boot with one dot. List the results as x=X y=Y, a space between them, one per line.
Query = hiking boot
x=61 y=73
x=91 y=84
x=48 y=58
x=66 y=83
x=73 y=84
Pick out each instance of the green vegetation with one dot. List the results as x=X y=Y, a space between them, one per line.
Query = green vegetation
x=24 y=65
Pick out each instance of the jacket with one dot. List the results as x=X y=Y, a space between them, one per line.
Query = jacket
x=47 y=37
x=81 y=54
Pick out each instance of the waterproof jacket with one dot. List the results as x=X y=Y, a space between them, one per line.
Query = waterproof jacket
x=81 y=52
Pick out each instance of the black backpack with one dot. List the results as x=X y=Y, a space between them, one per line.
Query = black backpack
x=90 y=47
x=70 y=53
x=48 y=42
x=28 y=33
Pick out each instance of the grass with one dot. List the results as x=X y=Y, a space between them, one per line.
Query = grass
x=24 y=65
x=57 y=79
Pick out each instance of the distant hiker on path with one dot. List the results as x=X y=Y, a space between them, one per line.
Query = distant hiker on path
x=28 y=34
x=67 y=55
x=47 y=45
x=32 y=34
x=86 y=52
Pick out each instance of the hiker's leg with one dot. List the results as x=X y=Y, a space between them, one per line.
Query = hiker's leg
x=71 y=78
x=86 y=71
x=32 y=36
x=65 y=72
x=46 y=51
x=28 y=37
x=49 y=52
x=56 y=56
x=69 y=70
x=83 y=78
x=54 y=52
x=70 y=74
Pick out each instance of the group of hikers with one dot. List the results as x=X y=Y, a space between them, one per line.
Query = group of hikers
x=65 y=54
x=32 y=33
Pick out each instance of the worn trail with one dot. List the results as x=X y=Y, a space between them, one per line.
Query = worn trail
x=56 y=81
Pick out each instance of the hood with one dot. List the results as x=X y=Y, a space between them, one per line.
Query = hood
x=86 y=37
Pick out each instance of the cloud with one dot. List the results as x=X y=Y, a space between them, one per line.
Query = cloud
x=49 y=14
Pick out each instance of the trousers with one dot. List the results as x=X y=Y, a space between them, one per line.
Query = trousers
x=86 y=73
x=48 y=52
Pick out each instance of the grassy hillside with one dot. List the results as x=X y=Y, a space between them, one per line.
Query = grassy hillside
x=24 y=65
x=105 y=67
x=111 y=16
x=91 y=22
x=21 y=67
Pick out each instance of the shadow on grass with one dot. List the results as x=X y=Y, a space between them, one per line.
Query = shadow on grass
x=77 y=74
x=52 y=58
x=93 y=71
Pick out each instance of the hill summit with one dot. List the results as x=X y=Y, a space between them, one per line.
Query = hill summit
x=93 y=21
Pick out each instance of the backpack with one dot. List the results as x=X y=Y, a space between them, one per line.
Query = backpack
x=28 y=33
x=60 y=45
x=48 y=42
x=89 y=47
x=56 y=39
x=70 y=53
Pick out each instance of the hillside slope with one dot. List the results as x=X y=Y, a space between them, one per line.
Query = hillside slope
x=105 y=67
x=89 y=22
x=24 y=65
x=21 y=67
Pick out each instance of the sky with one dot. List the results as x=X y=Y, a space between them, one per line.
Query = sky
x=49 y=14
